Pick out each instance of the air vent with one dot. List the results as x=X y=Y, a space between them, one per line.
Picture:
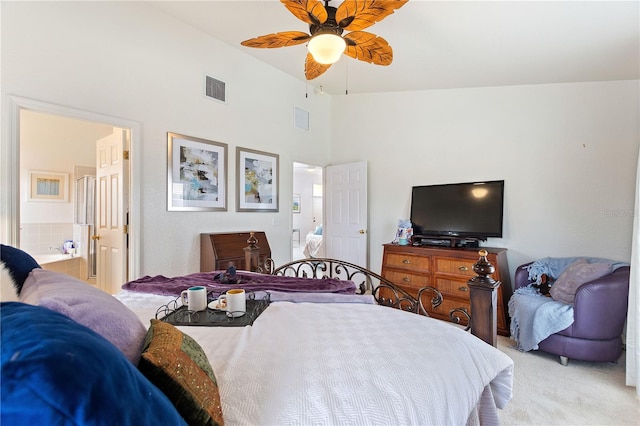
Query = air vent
x=215 y=89
x=301 y=119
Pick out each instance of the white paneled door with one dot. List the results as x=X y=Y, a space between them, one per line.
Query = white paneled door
x=110 y=229
x=345 y=222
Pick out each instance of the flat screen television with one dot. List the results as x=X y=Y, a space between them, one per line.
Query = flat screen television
x=470 y=210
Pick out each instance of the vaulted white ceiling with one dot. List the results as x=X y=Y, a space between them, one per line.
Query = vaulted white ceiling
x=449 y=44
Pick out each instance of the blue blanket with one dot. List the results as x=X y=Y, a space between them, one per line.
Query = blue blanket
x=535 y=317
x=553 y=266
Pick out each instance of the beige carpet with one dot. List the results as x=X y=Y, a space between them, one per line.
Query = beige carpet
x=582 y=393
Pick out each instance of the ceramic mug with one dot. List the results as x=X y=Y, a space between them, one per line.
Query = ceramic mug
x=195 y=298
x=234 y=302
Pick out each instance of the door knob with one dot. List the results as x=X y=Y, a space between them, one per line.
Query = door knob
x=95 y=237
x=362 y=231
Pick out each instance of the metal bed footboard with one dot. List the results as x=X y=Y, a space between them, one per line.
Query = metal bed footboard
x=384 y=291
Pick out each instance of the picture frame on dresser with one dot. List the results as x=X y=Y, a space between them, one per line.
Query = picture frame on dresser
x=257 y=176
x=196 y=174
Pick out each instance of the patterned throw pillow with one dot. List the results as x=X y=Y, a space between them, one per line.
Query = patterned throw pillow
x=574 y=275
x=178 y=366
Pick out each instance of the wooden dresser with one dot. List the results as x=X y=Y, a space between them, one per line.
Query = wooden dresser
x=219 y=251
x=448 y=270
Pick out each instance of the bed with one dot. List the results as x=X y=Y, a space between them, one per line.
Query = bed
x=313 y=246
x=336 y=355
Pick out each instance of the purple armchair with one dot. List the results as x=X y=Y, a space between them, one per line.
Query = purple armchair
x=600 y=311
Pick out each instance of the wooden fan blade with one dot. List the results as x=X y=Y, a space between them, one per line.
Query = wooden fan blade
x=309 y=11
x=356 y=15
x=312 y=69
x=283 y=39
x=368 y=47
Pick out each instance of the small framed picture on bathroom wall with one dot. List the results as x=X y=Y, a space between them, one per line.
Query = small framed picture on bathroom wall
x=296 y=203
x=48 y=186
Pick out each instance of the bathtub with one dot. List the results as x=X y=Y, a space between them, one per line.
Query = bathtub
x=45 y=259
x=67 y=264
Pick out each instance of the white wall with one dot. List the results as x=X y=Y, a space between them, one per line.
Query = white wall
x=54 y=144
x=567 y=153
x=125 y=59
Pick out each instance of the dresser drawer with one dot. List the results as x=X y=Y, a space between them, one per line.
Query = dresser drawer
x=462 y=267
x=449 y=270
x=407 y=261
x=455 y=288
x=404 y=279
x=442 y=311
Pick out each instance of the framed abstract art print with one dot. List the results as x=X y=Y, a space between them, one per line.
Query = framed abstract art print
x=196 y=174
x=257 y=181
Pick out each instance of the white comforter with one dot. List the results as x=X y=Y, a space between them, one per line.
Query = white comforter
x=313 y=246
x=341 y=363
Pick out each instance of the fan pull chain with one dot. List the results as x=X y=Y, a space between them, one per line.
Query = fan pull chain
x=346 y=78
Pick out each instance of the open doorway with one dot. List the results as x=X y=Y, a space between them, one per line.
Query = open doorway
x=17 y=176
x=307 y=211
x=58 y=147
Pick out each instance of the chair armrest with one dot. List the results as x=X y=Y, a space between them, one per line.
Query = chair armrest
x=600 y=306
x=522 y=276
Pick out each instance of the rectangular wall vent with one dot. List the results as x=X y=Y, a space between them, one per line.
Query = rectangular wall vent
x=301 y=119
x=215 y=89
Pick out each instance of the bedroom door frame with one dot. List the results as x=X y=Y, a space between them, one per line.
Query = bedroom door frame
x=308 y=204
x=345 y=230
x=10 y=169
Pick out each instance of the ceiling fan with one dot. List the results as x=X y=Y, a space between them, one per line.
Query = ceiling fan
x=326 y=43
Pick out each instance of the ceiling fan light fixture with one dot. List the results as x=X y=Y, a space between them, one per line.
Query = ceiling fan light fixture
x=326 y=48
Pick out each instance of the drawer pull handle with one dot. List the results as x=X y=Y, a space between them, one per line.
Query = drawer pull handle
x=463 y=268
x=406 y=280
x=463 y=288
x=406 y=261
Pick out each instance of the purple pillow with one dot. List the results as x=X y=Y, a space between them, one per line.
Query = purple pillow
x=577 y=273
x=88 y=306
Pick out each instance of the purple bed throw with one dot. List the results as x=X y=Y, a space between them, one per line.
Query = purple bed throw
x=249 y=281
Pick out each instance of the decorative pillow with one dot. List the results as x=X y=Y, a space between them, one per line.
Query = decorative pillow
x=178 y=366
x=577 y=273
x=89 y=306
x=18 y=263
x=56 y=371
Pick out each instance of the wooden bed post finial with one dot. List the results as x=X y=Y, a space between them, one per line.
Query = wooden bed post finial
x=252 y=253
x=484 y=298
